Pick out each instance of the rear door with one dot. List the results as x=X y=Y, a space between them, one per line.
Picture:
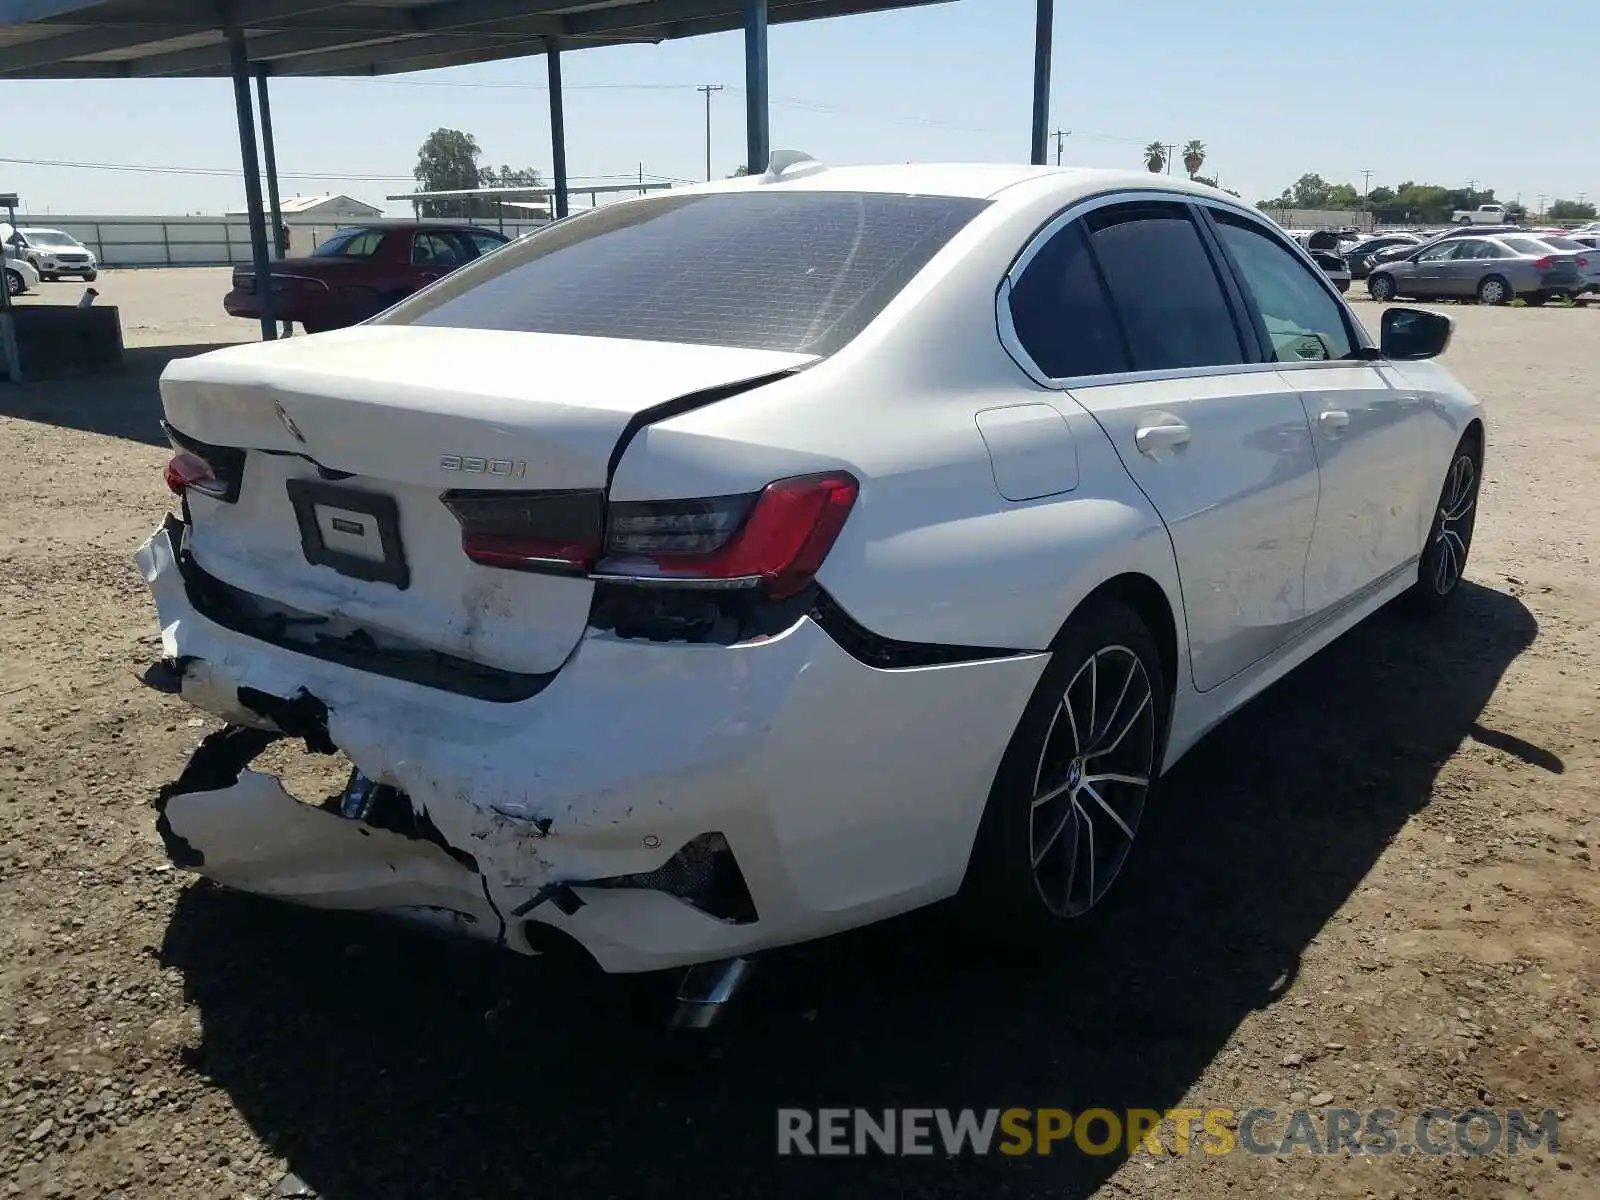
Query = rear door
x=1216 y=441
x=1367 y=426
x=1474 y=258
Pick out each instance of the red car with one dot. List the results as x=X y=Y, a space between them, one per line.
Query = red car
x=360 y=271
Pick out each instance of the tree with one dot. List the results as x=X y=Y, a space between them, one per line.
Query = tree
x=1380 y=196
x=1155 y=157
x=1194 y=157
x=1570 y=210
x=739 y=172
x=447 y=162
x=1210 y=181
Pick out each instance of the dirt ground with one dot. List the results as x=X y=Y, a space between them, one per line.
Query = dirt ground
x=1374 y=887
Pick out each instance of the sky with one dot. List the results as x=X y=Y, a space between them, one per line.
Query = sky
x=1273 y=90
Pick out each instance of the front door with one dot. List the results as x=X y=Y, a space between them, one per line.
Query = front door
x=1366 y=426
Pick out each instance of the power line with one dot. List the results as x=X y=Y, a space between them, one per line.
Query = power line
x=233 y=172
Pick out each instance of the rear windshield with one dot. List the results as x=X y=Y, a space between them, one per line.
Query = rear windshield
x=794 y=271
x=1561 y=243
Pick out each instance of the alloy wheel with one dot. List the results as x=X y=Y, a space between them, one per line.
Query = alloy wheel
x=1492 y=292
x=14 y=282
x=1453 y=536
x=1090 y=785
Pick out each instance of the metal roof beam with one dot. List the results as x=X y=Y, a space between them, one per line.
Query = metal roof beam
x=257 y=49
x=63 y=47
x=458 y=14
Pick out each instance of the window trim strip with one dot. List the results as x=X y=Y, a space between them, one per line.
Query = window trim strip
x=1012 y=344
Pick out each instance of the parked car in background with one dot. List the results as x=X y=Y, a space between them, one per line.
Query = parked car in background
x=20 y=276
x=1484 y=214
x=1395 y=253
x=1588 y=258
x=54 y=254
x=718 y=570
x=1491 y=270
x=1324 y=245
x=1359 y=256
x=360 y=271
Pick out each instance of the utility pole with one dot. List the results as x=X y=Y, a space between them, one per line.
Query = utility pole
x=1170 y=149
x=1060 y=136
x=1541 y=204
x=708 y=89
x=1366 y=184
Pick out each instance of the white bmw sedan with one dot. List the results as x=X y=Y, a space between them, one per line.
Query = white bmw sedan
x=731 y=566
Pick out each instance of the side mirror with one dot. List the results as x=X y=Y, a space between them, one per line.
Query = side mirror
x=1412 y=334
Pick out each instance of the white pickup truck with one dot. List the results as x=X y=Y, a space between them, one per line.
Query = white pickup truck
x=1484 y=214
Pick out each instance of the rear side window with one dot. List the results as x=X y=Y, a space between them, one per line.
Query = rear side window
x=1524 y=246
x=1164 y=287
x=793 y=271
x=1303 y=322
x=1061 y=313
x=350 y=243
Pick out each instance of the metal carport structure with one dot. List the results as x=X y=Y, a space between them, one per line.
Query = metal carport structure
x=142 y=39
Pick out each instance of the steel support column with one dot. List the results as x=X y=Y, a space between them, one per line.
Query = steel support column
x=1042 y=35
x=239 y=61
x=269 y=158
x=758 y=137
x=558 y=129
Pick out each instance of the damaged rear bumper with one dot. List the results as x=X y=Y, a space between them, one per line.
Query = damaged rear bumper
x=661 y=804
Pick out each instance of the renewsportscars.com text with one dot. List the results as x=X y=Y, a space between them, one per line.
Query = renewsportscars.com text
x=1179 y=1131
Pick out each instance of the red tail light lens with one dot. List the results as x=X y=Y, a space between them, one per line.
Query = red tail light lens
x=198 y=467
x=530 y=531
x=1544 y=264
x=776 y=538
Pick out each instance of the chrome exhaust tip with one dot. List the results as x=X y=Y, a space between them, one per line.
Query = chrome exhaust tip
x=706 y=990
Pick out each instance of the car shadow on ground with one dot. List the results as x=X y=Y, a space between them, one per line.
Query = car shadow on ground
x=383 y=1064
x=123 y=404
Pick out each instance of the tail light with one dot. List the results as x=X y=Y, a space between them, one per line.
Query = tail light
x=211 y=470
x=1583 y=264
x=1545 y=263
x=776 y=538
x=530 y=531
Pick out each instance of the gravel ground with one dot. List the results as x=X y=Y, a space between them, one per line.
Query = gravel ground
x=1373 y=887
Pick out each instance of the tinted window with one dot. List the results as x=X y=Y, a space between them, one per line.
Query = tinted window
x=1303 y=322
x=1061 y=313
x=350 y=243
x=436 y=250
x=1563 y=243
x=1164 y=287
x=795 y=271
x=486 y=242
x=1473 y=248
x=1526 y=246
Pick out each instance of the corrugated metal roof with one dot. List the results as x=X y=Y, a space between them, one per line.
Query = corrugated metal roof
x=71 y=39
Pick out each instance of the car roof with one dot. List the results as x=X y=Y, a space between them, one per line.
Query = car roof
x=977 y=181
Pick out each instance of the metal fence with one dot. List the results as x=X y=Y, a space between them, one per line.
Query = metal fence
x=195 y=241
x=1318 y=218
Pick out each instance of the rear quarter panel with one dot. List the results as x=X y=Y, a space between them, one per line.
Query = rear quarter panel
x=932 y=552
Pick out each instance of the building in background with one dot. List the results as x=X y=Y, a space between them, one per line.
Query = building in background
x=298 y=209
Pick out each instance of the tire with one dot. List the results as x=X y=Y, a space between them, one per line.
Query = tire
x=90 y=276
x=1493 y=290
x=14 y=284
x=1463 y=220
x=1444 y=555
x=43 y=278
x=1536 y=299
x=1038 y=869
x=1381 y=288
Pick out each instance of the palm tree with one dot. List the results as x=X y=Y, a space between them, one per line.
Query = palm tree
x=1194 y=157
x=1155 y=157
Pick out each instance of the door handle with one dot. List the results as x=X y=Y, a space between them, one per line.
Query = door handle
x=1333 y=420
x=1154 y=438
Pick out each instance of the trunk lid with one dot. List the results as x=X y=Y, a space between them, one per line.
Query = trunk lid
x=394 y=417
